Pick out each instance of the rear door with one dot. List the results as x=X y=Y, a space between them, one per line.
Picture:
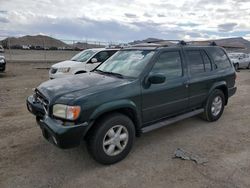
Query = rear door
x=200 y=77
x=171 y=97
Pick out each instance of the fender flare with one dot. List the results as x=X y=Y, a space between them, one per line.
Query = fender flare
x=220 y=84
x=117 y=105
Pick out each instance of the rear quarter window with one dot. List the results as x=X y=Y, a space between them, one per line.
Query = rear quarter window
x=220 y=58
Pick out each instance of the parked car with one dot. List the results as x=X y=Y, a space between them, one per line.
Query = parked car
x=82 y=62
x=1 y=49
x=137 y=90
x=2 y=63
x=240 y=60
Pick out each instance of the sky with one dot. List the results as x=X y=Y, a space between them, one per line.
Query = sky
x=126 y=20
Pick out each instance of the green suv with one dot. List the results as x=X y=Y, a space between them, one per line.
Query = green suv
x=137 y=90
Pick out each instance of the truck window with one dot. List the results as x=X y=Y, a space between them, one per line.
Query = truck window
x=169 y=64
x=220 y=58
x=195 y=64
x=206 y=61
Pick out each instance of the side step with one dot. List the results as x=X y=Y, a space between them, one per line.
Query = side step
x=171 y=120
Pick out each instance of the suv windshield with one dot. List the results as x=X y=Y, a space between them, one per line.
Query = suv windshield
x=127 y=63
x=83 y=56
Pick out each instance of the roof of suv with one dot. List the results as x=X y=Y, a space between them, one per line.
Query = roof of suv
x=160 y=45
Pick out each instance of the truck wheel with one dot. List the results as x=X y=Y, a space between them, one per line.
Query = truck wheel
x=111 y=139
x=214 y=106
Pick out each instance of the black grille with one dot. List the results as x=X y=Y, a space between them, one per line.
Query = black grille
x=39 y=98
x=53 y=70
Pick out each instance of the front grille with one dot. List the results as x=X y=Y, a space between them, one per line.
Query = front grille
x=39 y=98
x=53 y=70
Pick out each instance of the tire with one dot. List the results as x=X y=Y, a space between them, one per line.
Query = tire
x=104 y=138
x=213 y=108
x=236 y=66
x=248 y=67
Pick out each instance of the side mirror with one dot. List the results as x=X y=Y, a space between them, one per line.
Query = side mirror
x=93 y=60
x=156 y=79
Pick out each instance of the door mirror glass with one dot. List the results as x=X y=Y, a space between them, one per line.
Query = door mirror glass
x=93 y=60
x=156 y=79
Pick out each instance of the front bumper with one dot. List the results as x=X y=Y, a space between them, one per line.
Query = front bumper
x=232 y=91
x=63 y=136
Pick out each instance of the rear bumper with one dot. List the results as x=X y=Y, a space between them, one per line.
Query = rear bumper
x=63 y=136
x=232 y=91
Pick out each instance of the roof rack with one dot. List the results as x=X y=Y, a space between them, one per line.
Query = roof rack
x=168 y=43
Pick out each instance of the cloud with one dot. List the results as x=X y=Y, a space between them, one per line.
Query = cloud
x=161 y=15
x=3 y=11
x=227 y=27
x=147 y=15
x=3 y=20
x=126 y=20
x=128 y=15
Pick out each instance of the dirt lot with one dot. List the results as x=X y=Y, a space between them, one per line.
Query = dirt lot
x=27 y=160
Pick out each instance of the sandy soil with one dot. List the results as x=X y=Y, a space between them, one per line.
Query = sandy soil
x=28 y=160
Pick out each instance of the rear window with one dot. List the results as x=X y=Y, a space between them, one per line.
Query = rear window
x=220 y=58
x=196 y=65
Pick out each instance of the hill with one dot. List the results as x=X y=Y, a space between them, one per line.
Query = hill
x=231 y=44
x=36 y=41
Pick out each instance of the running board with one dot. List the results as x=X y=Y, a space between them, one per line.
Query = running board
x=171 y=120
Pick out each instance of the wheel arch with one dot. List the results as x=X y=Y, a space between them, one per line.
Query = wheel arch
x=80 y=71
x=125 y=107
x=221 y=86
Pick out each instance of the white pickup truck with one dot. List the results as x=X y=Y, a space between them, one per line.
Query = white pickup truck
x=240 y=60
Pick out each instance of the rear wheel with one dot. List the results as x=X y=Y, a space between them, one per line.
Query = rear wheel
x=111 y=139
x=214 y=106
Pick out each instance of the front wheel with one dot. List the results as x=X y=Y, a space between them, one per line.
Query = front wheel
x=214 y=106
x=111 y=138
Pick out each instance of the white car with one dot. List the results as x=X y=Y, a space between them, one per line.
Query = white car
x=82 y=62
x=240 y=60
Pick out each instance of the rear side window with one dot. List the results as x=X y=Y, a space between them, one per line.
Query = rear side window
x=169 y=64
x=220 y=58
x=207 y=62
x=196 y=64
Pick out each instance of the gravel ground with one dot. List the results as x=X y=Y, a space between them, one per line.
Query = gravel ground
x=28 y=160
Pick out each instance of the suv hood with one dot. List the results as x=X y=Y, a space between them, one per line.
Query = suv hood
x=67 y=63
x=79 y=85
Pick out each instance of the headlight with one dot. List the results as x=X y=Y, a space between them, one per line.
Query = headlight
x=66 y=112
x=64 y=69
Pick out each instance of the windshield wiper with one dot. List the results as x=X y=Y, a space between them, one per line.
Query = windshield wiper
x=110 y=73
